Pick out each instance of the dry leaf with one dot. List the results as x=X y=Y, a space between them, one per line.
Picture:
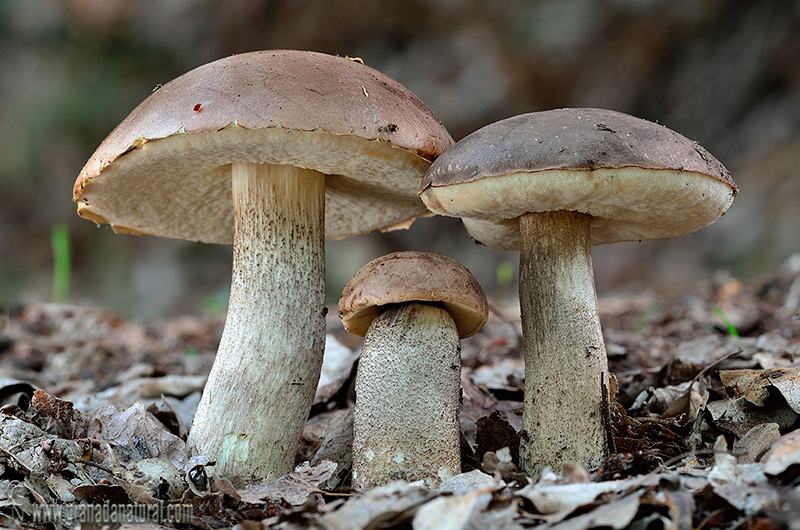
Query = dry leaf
x=11 y=387
x=386 y=503
x=453 y=512
x=337 y=447
x=101 y=493
x=494 y=433
x=757 y=441
x=146 y=388
x=134 y=429
x=739 y=416
x=337 y=363
x=470 y=481
x=754 y=384
x=566 y=498
x=744 y=486
x=680 y=503
x=505 y=373
x=166 y=414
x=294 y=488
x=785 y=452
x=616 y=514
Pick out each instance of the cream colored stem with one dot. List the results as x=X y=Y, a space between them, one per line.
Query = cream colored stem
x=565 y=357
x=406 y=423
x=260 y=389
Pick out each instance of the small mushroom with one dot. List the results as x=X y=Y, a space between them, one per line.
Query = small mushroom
x=551 y=184
x=412 y=308
x=274 y=151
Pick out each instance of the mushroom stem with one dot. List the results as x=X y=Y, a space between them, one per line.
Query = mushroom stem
x=406 y=423
x=265 y=375
x=565 y=357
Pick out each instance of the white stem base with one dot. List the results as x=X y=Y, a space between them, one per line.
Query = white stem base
x=265 y=375
x=406 y=423
x=565 y=357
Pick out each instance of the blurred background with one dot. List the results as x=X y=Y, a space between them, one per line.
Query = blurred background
x=725 y=73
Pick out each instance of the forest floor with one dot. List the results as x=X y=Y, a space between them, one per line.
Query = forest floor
x=95 y=410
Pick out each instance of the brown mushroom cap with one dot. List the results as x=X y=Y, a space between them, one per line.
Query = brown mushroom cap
x=413 y=277
x=637 y=179
x=165 y=170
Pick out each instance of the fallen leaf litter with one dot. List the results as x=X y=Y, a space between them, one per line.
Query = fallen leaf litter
x=705 y=423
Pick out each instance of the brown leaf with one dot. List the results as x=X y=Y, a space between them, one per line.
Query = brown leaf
x=686 y=405
x=680 y=503
x=52 y=414
x=469 y=481
x=494 y=433
x=337 y=447
x=101 y=493
x=165 y=413
x=754 y=384
x=294 y=488
x=394 y=503
x=739 y=416
x=476 y=403
x=757 y=441
x=616 y=514
x=133 y=428
x=785 y=452
x=743 y=486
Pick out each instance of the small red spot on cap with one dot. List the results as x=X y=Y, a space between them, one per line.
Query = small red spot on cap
x=198 y=107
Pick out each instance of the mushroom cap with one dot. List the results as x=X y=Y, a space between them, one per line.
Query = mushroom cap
x=637 y=179
x=165 y=170
x=413 y=277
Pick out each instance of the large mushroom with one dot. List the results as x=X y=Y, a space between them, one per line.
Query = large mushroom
x=412 y=308
x=274 y=151
x=551 y=184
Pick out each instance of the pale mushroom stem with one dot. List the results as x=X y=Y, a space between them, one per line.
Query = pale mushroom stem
x=565 y=357
x=406 y=422
x=262 y=384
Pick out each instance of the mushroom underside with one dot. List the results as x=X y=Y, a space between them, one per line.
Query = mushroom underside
x=370 y=184
x=625 y=204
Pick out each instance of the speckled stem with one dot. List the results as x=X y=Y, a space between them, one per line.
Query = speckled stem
x=565 y=357
x=262 y=384
x=406 y=423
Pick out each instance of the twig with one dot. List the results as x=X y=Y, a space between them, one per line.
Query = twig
x=714 y=365
x=606 y=412
x=94 y=464
x=332 y=493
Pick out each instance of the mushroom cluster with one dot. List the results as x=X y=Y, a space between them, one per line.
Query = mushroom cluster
x=273 y=151
x=277 y=151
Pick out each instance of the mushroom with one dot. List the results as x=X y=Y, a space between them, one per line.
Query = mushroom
x=551 y=184
x=412 y=308
x=274 y=151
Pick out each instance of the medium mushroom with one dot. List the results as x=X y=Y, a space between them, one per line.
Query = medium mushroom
x=274 y=151
x=551 y=184
x=412 y=308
